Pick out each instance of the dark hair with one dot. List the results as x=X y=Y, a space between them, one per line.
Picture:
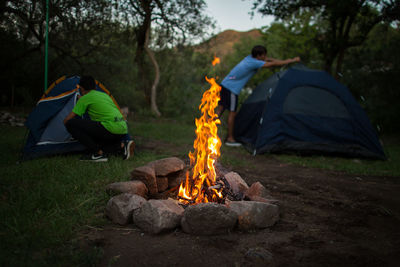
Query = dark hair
x=87 y=82
x=258 y=50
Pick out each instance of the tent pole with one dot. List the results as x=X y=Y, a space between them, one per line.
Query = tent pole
x=46 y=46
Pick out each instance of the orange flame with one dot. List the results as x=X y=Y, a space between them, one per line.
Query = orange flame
x=216 y=61
x=198 y=188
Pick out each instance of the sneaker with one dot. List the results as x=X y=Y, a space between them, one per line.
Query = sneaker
x=232 y=144
x=129 y=147
x=94 y=158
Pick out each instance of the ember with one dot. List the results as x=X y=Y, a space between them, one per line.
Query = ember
x=216 y=61
x=200 y=185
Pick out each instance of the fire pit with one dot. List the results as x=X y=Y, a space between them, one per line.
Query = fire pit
x=150 y=200
x=208 y=201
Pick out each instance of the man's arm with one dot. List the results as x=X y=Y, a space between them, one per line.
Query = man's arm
x=69 y=116
x=272 y=62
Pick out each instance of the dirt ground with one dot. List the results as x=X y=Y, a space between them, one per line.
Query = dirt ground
x=327 y=219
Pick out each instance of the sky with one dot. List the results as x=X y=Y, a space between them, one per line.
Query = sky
x=233 y=15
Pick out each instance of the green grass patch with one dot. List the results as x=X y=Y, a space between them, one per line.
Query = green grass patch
x=389 y=167
x=229 y=157
x=171 y=131
x=45 y=203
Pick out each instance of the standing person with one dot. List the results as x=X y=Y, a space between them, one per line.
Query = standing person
x=106 y=131
x=237 y=78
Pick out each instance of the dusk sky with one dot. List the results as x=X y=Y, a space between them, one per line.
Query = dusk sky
x=233 y=14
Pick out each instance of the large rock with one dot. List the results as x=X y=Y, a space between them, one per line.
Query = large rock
x=208 y=219
x=220 y=169
x=156 y=216
x=164 y=167
x=176 y=178
x=257 y=190
x=120 y=208
x=237 y=184
x=131 y=187
x=147 y=175
x=253 y=215
x=162 y=183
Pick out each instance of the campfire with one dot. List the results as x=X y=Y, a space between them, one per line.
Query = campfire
x=200 y=184
x=199 y=198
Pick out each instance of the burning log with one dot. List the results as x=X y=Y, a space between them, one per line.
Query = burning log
x=222 y=186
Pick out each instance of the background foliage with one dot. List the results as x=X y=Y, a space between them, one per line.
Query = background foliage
x=100 y=38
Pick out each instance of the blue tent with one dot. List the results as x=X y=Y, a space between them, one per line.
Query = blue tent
x=47 y=133
x=308 y=112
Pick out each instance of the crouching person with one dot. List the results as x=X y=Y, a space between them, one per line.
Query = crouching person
x=106 y=132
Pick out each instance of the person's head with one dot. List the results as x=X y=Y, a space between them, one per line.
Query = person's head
x=259 y=52
x=87 y=83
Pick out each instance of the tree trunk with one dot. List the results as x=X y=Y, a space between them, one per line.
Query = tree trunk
x=141 y=35
x=154 y=107
x=12 y=94
x=339 y=64
x=328 y=63
x=153 y=96
x=139 y=59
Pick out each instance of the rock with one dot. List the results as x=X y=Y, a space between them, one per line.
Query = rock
x=253 y=215
x=208 y=219
x=120 y=208
x=147 y=175
x=164 y=167
x=237 y=184
x=156 y=216
x=257 y=190
x=132 y=187
x=175 y=179
x=162 y=183
x=13 y=120
x=220 y=170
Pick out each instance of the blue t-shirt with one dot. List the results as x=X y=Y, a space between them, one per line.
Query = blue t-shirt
x=241 y=74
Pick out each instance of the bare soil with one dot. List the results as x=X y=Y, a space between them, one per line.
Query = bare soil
x=327 y=219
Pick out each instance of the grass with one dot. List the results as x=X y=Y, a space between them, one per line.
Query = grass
x=390 y=167
x=45 y=204
x=171 y=131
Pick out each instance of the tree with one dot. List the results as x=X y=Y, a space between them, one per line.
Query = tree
x=342 y=24
x=293 y=37
x=177 y=21
x=375 y=83
x=75 y=29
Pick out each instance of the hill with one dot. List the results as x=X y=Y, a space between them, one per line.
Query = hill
x=222 y=43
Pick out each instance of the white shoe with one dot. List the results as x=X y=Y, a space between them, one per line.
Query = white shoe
x=232 y=144
x=129 y=148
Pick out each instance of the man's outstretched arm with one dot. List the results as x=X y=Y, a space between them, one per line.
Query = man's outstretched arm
x=272 y=62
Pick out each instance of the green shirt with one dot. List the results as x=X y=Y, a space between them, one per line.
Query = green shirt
x=100 y=107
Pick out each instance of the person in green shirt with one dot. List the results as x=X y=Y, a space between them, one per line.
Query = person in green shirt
x=105 y=130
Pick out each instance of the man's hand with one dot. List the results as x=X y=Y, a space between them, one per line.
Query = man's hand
x=296 y=59
x=69 y=116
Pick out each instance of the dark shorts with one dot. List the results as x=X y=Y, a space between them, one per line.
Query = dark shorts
x=228 y=99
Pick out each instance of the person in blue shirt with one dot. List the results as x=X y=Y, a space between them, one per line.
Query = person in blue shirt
x=237 y=78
